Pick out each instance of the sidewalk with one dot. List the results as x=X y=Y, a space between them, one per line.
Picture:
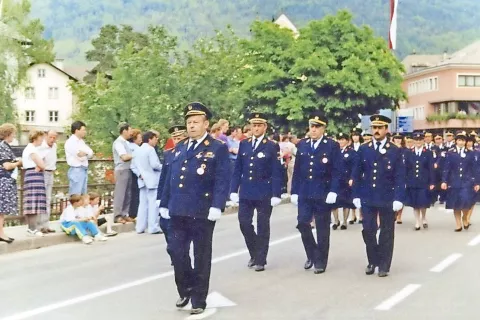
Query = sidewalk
x=24 y=242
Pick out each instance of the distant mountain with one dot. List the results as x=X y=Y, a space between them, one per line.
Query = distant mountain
x=430 y=26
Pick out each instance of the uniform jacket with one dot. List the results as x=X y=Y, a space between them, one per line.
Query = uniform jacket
x=348 y=160
x=168 y=156
x=316 y=173
x=258 y=173
x=379 y=179
x=420 y=169
x=196 y=183
x=146 y=164
x=460 y=172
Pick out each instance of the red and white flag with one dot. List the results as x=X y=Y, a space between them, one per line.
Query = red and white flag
x=392 y=35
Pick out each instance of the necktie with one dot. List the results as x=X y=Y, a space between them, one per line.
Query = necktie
x=255 y=140
x=192 y=148
x=378 y=146
x=313 y=144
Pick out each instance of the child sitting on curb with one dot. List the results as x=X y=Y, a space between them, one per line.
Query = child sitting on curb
x=73 y=223
x=94 y=211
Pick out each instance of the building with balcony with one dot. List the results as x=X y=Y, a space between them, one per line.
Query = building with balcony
x=443 y=90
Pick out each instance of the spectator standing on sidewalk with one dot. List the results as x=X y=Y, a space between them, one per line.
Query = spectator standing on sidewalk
x=77 y=154
x=134 y=144
x=48 y=151
x=122 y=157
x=147 y=168
x=34 y=194
x=8 y=184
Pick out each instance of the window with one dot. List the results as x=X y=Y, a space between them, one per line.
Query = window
x=29 y=116
x=468 y=81
x=53 y=93
x=423 y=85
x=30 y=93
x=41 y=73
x=53 y=116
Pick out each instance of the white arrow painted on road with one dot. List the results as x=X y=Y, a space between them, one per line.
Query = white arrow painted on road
x=214 y=300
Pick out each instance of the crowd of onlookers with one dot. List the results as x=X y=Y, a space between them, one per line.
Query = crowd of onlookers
x=137 y=170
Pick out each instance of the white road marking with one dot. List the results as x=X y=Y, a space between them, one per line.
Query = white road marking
x=205 y=314
x=446 y=262
x=128 y=285
x=397 y=297
x=474 y=241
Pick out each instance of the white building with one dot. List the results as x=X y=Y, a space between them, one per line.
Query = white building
x=46 y=101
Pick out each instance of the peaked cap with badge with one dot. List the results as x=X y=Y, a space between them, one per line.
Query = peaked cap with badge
x=380 y=120
x=177 y=130
x=197 y=109
x=257 y=117
x=317 y=118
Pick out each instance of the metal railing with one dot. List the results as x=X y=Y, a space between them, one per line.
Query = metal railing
x=100 y=180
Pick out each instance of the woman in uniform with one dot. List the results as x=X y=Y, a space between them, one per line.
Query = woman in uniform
x=356 y=142
x=459 y=178
x=420 y=180
x=470 y=145
x=349 y=160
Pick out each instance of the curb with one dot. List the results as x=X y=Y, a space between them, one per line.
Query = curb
x=61 y=238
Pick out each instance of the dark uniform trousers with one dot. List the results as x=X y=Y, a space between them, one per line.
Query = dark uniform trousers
x=165 y=226
x=379 y=252
x=315 y=208
x=257 y=243
x=199 y=231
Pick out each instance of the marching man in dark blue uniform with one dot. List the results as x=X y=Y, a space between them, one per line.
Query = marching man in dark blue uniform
x=258 y=173
x=379 y=189
x=194 y=196
x=315 y=185
x=178 y=133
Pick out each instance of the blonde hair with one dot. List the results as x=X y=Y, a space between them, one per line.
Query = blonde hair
x=135 y=133
x=215 y=128
x=222 y=122
x=93 y=195
x=6 y=130
x=34 y=134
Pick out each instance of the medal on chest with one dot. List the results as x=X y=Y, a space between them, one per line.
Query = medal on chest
x=261 y=155
x=201 y=170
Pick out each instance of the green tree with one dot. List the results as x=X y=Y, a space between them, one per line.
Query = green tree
x=21 y=44
x=334 y=66
x=142 y=91
x=212 y=73
x=108 y=44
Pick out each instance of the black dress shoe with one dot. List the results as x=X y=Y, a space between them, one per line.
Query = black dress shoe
x=319 y=270
x=9 y=240
x=360 y=221
x=343 y=227
x=251 y=263
x=197 y=311
x=352 y=221
x=335 y=226
x=458 y=230
x=382 y=274
x=399 y=222
x=308 y=265
x=425 y=226
x=182 y=302
x=259 y=268
x=417 y=228
x=370 y=269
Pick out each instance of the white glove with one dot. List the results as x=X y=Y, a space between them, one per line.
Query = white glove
x=331 y=198
x=294 y=199
x=214 y=214
x=164 y=213
x=357 y=203
x=158 y=203
x=234 y=197
x=397 y=205
x=275 y=201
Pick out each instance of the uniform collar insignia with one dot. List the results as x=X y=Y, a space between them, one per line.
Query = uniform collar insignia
x=370 y=144
x=264 y=141
x=250 y=140
x=186 y=141
x=206 y=142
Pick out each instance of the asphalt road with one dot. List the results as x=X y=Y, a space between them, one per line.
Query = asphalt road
x=435 y=275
